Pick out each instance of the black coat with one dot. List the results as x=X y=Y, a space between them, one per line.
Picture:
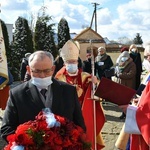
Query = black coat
x=137 y=60
x=87 y=67
x=23 y=69
x=24 y=104
x=100 y=70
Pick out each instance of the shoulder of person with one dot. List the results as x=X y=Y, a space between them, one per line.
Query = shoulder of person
x=24 y=60
x=60 y=73
x=85 y=76
x=96 y=58
x=139 y=54
x=84 y=61
x=57 y=59
x=20 y=87
x=108 y=56
x=11 y=79
x=62 y=83
x=60 y=77
x=132 y=64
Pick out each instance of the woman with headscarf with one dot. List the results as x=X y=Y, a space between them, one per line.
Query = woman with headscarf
x=122 y=50
x=126 y=72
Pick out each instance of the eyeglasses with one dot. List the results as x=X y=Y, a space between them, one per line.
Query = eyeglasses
x=46 y=71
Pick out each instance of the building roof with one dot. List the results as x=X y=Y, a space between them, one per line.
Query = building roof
x=89 y=34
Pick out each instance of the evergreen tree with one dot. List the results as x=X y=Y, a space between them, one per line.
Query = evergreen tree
x=138 y=39
x=40 y=34
x=6 y=41
x=49 y=41
x=63 y=32
x=22 y=44
x=44 y=35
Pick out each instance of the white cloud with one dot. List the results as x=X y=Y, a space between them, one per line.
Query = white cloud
x=15 y=5
x=104 y=16
x=132 y=17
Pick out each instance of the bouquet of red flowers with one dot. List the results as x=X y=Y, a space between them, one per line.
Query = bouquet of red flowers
x=48 y=132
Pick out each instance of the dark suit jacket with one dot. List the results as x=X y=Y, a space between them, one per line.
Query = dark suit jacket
x=24 y=104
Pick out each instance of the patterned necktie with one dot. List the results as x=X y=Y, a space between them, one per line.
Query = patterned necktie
x=43 y=91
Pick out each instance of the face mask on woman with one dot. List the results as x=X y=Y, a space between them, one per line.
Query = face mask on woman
x=71 y=68
x=133 y=50
x=123 y=59
x=42 y=83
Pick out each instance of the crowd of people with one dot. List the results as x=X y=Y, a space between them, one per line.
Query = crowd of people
x=67 y=83
x=132 y=140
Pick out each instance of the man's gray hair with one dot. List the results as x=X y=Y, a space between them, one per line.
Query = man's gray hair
x=41 y=55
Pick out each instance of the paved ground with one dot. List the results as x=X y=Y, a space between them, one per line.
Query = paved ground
x=112 y=127
x=110 y=130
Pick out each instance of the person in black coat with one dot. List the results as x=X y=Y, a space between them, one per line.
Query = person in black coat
x=136 y=56
x=23 y=66
x=103 y=62
x=87 y=64
x=25 y=101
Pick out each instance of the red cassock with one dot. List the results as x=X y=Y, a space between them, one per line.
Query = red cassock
x=142 y=142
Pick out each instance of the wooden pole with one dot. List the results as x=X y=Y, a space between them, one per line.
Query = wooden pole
x=92 y=94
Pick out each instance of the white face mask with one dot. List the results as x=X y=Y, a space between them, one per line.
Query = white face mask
x=133 y=50
x=123 y=59
x=42 y=83
x=72 y=68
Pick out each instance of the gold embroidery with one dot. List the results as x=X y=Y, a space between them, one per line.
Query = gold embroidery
x=79 y=90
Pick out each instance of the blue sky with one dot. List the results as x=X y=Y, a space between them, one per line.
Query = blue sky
x=115 y=19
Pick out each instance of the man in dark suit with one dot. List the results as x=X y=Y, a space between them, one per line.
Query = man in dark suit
x=24 y=63
x=25 y=101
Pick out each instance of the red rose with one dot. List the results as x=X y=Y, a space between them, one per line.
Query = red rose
x=36 y=135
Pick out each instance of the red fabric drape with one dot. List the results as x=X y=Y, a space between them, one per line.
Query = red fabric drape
x=143 y=122
x=4 y=93
x=138 y=143
x=88 y=114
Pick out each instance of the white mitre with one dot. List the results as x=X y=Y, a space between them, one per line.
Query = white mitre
x=70 y=51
